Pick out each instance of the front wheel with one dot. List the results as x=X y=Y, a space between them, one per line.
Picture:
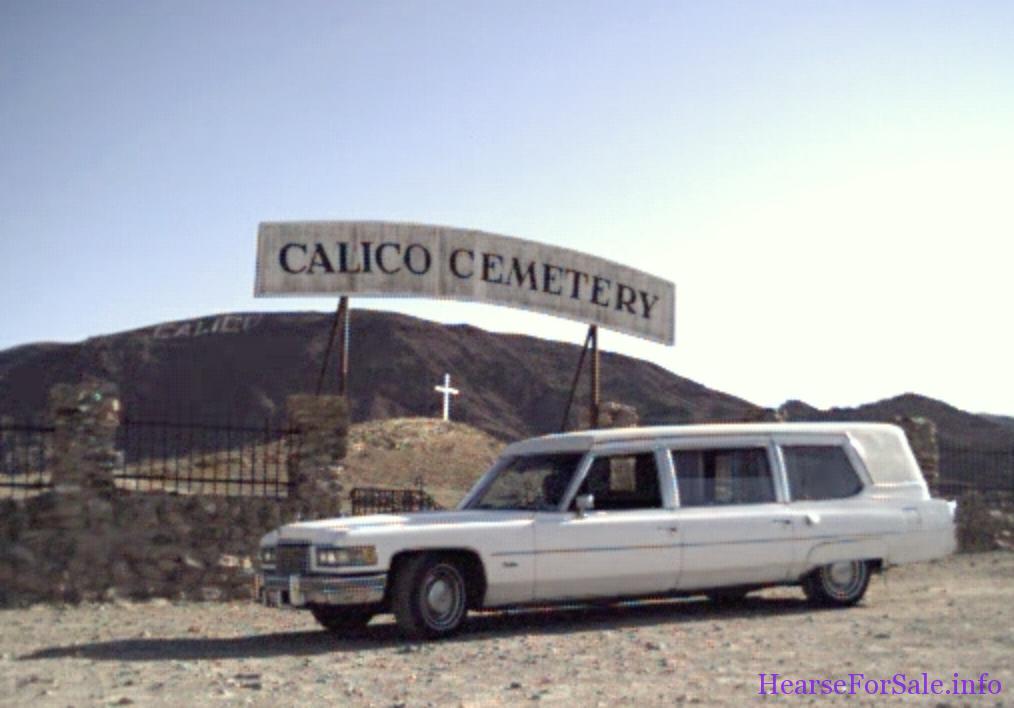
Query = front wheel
x=838 y=584
x=429 y=597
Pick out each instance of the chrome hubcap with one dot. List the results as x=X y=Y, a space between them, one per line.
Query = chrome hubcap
x=440 y=597
x=443 y=597
x=842 y=573
x=844 y=579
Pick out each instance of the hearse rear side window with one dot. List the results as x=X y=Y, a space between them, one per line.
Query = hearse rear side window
x=723 y=476
x=819 y=472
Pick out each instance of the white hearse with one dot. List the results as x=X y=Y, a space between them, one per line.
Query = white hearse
x=716 y=510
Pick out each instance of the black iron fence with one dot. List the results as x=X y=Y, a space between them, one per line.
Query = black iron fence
x=25 y=457
x=962 y=470
x=377 y=500
x=196 y=458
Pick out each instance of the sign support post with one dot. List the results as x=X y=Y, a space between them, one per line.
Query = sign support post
x=596 y=379
x=591 y=337
x=339 y=321
x=345 y=315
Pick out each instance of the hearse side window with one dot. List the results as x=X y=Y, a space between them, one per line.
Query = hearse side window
x=623 y=482
x=723 y=476
x=819 y=472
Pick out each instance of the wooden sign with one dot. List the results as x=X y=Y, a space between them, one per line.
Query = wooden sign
x=383 y=259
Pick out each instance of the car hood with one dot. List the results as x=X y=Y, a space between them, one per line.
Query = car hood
x=309 y=530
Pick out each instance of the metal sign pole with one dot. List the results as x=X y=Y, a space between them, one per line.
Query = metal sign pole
x=340 y=319
x=577 y=377
x=596 y=379
x=344 y=315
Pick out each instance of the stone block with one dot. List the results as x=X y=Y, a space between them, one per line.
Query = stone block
x=211 y=593
x=19 y=556
x=121 y=572
x=167 y=565
x=228 y=561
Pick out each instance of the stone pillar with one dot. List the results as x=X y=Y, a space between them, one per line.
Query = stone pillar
x=7 y=443
x=314 y=464
x=86 y=417
x=765 y=415
x=613 y=415
x=922 y=436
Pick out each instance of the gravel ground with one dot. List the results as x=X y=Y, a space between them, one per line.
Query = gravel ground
x=940 y=618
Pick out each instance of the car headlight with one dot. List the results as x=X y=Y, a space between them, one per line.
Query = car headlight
x=268 y=555
x=350 y=555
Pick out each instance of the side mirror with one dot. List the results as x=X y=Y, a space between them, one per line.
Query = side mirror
x=584 y=503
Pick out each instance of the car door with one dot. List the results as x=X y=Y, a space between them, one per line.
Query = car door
x=734 y=525
x=625 y=546
x=825 y=488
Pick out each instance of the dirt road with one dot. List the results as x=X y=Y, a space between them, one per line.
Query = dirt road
x=942 y=618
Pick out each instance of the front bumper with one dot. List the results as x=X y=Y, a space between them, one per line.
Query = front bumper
x=302 y=590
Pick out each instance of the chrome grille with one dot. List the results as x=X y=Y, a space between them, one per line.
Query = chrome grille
x=292 y=559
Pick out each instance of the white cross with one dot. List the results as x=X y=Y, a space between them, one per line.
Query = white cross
x=448 y=392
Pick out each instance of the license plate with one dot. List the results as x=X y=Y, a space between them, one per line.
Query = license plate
x=295 y=592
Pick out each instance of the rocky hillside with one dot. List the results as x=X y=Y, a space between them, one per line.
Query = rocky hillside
x=955 y=427
x=240 y=367
x=1004 y=420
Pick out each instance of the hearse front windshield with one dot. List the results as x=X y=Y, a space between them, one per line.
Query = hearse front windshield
x=528 y=483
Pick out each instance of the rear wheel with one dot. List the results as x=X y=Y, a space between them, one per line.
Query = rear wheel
x=429 y=597
x=838 y=584
x=341 y=620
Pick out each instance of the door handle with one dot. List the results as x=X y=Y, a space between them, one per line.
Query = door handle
x=670 y=529
x=783 y=522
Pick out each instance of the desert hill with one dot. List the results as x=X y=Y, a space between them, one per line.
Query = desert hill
x=1004 y=420
x=955 y=427
x=240 y=367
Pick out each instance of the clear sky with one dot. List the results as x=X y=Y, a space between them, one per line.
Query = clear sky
x=829 y=184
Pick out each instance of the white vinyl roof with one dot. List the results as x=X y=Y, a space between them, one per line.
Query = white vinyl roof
x=883 y=447
x=587 y=439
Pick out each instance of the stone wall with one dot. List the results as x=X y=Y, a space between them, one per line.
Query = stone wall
x=984 y=524
x=88 y=540
x=922 y=437
x=132 y=546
